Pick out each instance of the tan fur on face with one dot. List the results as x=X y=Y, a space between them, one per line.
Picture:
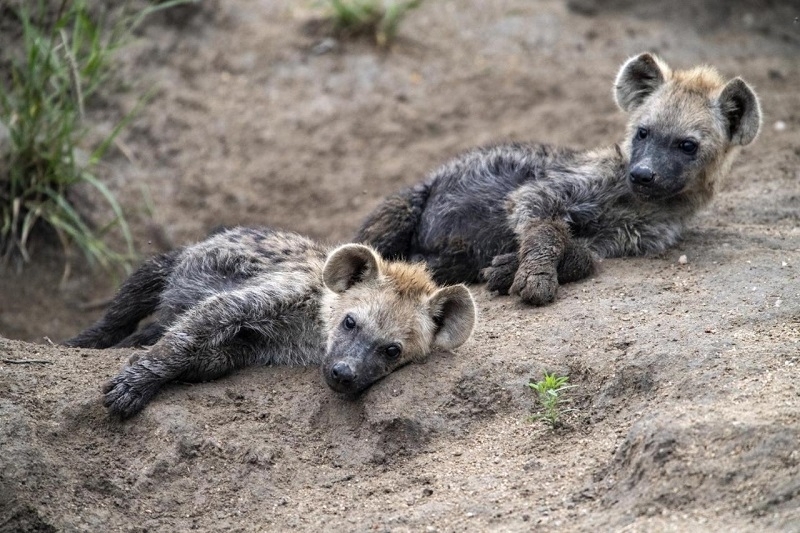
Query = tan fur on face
x=401 y=304
x=393 y=306
x=703 y=80
x=686 y=105
x=410 y=279
x=684 y=101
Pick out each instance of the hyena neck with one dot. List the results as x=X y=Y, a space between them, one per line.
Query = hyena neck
x=714 y=173
x=699 y=196
x=702 y=191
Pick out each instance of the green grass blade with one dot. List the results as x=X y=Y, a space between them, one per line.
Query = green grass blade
x=112 y=202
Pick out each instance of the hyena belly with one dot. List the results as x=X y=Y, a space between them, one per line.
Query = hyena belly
x=465 y=221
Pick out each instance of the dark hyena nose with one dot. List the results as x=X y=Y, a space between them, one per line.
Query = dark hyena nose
x=642 y=175
x=342 y=373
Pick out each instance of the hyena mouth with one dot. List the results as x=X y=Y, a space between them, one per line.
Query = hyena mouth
x=651 y=193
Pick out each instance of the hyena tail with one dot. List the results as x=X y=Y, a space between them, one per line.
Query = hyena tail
x=136 y=299
x=390 y=228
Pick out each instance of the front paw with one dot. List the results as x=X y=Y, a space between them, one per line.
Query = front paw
x=577 y=263
x=536 y=286
x=500 y=275
x=128 y=392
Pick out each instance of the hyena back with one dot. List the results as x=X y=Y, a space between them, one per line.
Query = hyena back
x=525 y=217
x=245 y=296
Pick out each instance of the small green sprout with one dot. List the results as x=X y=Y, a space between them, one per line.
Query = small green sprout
x=551 y=398
x=379 y=18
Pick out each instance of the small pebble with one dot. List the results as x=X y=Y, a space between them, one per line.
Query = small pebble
x=779 y=125
x=324 y=46
x=683 y=260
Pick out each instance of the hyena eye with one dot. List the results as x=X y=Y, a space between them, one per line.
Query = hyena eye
x=349 y=322
x=641 y=133
x=688 y=147
x=393 y=351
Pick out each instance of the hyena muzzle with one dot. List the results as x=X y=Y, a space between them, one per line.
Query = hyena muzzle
x=526 y=217
x=257 y=296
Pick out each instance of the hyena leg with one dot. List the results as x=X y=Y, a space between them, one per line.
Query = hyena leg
x=137 y=383
x=136 y=299
x=542 y=246
x=210 y=340
x=578 y=262
x=147 y=336
x=499 y=276
x=392 y=225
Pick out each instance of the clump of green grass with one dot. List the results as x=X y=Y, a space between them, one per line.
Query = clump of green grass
x=60 y=66
x=551 y=397
x=378 y=18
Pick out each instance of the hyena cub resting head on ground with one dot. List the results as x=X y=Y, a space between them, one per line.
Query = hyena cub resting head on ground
x=247 y=296
x=525 y=217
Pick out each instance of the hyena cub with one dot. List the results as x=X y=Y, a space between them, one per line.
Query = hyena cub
x=525 y=218
x=247 y=296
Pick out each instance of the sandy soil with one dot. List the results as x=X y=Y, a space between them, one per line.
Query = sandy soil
x=686 y=406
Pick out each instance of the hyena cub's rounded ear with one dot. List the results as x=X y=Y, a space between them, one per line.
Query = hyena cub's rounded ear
x=350 y=264
x=740 y=107
x=453 y=311
x=638 y=78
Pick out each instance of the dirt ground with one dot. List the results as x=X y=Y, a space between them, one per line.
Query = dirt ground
x=686 y=406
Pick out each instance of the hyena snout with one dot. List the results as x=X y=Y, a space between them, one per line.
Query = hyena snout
x=350 y=374
x=642 y=175
x=342 y=374
x=347 y=376
x=655 y=179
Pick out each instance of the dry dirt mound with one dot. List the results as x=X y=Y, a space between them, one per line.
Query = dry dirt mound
x=686 y=401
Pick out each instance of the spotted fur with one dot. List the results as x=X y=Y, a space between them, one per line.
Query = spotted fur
x=524 y=217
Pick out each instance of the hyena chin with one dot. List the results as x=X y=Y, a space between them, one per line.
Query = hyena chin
x=257 y=296
x=526 y=217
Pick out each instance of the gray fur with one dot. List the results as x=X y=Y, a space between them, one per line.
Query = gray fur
x=245 y=296
x=524 y=217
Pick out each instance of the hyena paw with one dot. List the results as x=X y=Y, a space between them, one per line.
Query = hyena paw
x=578 y=263
x=536 y=287
x=128 y=392
x=500 y=275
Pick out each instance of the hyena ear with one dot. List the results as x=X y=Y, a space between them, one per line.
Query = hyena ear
x=638 y=78
x=741 y=109
x=453 y=311
x=350 y=264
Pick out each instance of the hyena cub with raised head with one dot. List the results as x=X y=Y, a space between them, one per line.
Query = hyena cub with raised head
x=525 y=218
x=247 y=296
